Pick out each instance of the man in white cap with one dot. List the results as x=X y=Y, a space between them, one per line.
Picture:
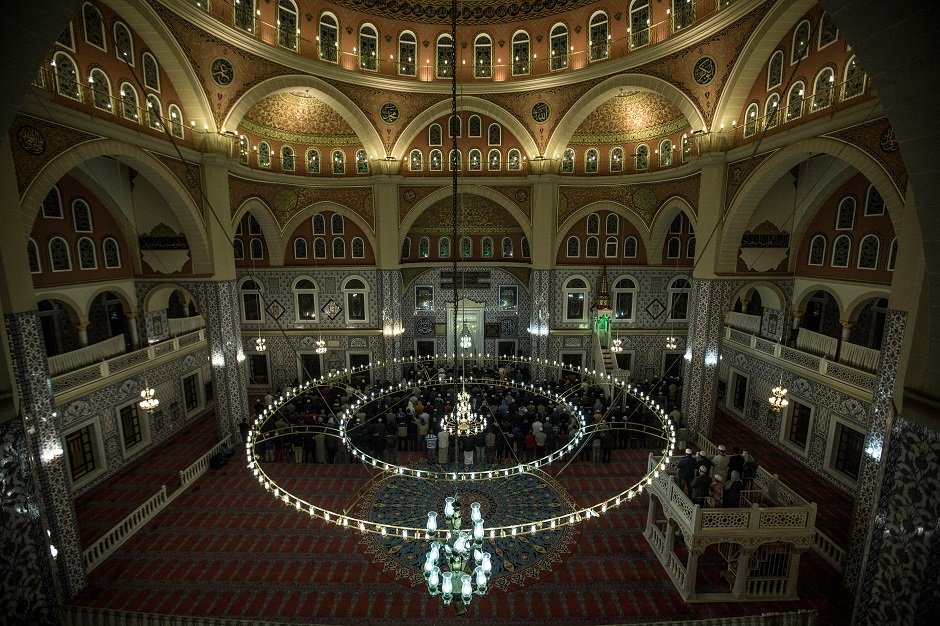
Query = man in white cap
x=720 y=462
x=686 y=467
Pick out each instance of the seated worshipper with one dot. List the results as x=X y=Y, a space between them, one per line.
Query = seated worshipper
x=701 y=486
x=732 y=491
x=717 y=489
x=686 y=466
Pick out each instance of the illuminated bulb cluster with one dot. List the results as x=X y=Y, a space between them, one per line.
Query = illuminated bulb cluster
x=148 y=401
x=457 y=549
x=778 y=400
x=616 y=345
x=671 y=343
x=261 y=344
x=321 y=346
x=463 y=420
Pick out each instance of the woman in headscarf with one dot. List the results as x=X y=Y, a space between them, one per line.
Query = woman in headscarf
x=732 y=495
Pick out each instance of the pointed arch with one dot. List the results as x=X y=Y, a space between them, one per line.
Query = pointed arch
x=270 y=230
x=464 y=188
x=660 y=228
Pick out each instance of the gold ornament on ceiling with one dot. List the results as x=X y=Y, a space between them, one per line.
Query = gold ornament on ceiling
x=631 y=116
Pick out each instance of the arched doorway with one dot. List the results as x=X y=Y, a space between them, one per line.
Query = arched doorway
x=822 y=315
x=106 y=319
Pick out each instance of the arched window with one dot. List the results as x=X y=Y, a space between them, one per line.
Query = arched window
x=339 y=248
x=154 y=112
x=300 y=248
x=800 y=48
x=675 y=226
x=474 y=126
x=868 y=251
x=319 y=224
x=306 y=302
x=483 y=57
x=313 y=161
x=87 y=256
x=339 y=162
x=558 y=46
x=686 y=148
x=456 y=126
x=435 y=135
x=123 y=43
x=407 y=53
x=415 y=161
x=690 y=248
x=356 y=295
x=337 y=224
x=358 y=248
x=424 y=248
x=642 y=157
x=841 y=251
x=673 y=247
x=573 y=247
x=795 y=101
x=66 y=76
x=129 y=106
x=624 y=297
x=750 y=120
x=629 y=247
x=775 y=70
x=507 y=247
x=610 y=247
x=526 y=251
x=591 y=157
x=243 y=149
x=151 y=71
x=486 y=248
x=612 y=225
x=665 y=153
x=455 y=161
x=444 y=56
x=94 y=26
x=599 y=36
x=466 y=247
x=591 y=247
x=874 y=203
x=828 y=31
x=238 y=249
x=515 y=160
x=822 y=89
x=264 y=154
x=639 y=23
x=845 y=218
x=254 y=228
x=593 y=224
x=520 y=53
x=100 y=90
x=892 y=254
x=616 y=160
x=81 y=217
x=176 y=121
x=329 y=38
x=287 y=159
x=60 y=260
x=575 y=295
x=475 y=158
x=567 y=161
x=368 y=48
x=244 y=15
x=406 y=248
x=494 y=160
x=436 y=160
x=443 y=247
x=817 y=250
x=287 y=30
x=683 y=14
x=256 y=248
x=772 y=111
x=32 y=253
x=319 y=248
x=494 y=134
x=362 y=162
x=252 y=309
x=854 y=81
x=679 y=290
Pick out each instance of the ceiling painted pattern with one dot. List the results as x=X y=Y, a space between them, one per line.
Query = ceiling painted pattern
x=297 y=117
x=630 y=116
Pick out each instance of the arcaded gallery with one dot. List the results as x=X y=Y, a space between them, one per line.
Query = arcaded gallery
x=378 y=312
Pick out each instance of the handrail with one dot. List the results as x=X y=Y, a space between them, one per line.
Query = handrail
x=82 y=357
x=198 y=468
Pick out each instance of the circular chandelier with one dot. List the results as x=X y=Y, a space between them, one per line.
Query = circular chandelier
x=778 y=401
x=671 y=342
x=616 y=345
x=321 y=346
x=149 y=401
x=534 y=524
x=463 y=420
x=261 y=344
x=457 y=550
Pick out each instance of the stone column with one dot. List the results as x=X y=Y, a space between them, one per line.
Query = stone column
x=691 y=571
x=742 y=571
x=392 y=321
x=795 y=317
x=540 y=320
x=132 y=327
x=45 y=451
x=846 y=329
x=82 y=329
x=218 y=302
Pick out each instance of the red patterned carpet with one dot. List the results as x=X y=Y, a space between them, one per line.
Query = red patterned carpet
x=224 y=548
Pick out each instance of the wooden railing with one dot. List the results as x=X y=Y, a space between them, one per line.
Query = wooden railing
x=70 y=381
x=828 y=549
x=127 y=527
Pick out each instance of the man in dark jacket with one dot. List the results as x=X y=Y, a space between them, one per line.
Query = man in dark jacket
x=686 y=467
x=701 y=486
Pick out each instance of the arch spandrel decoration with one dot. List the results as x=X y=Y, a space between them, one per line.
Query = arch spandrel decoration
x=439 y=199
x=37 y=143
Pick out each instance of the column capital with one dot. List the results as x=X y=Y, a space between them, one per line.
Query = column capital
x=847 y=324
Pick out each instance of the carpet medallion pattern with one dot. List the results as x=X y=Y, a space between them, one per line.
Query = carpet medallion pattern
x=517 y=560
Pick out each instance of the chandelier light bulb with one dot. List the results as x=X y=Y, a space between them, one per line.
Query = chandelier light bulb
x=671 y=343
x=148 y=402
x=616 y=345
x=261 y=344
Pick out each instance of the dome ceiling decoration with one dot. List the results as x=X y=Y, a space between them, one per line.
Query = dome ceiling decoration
x=300 y=118
x=479 y=215
x=471 y=11
x=631 y=116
